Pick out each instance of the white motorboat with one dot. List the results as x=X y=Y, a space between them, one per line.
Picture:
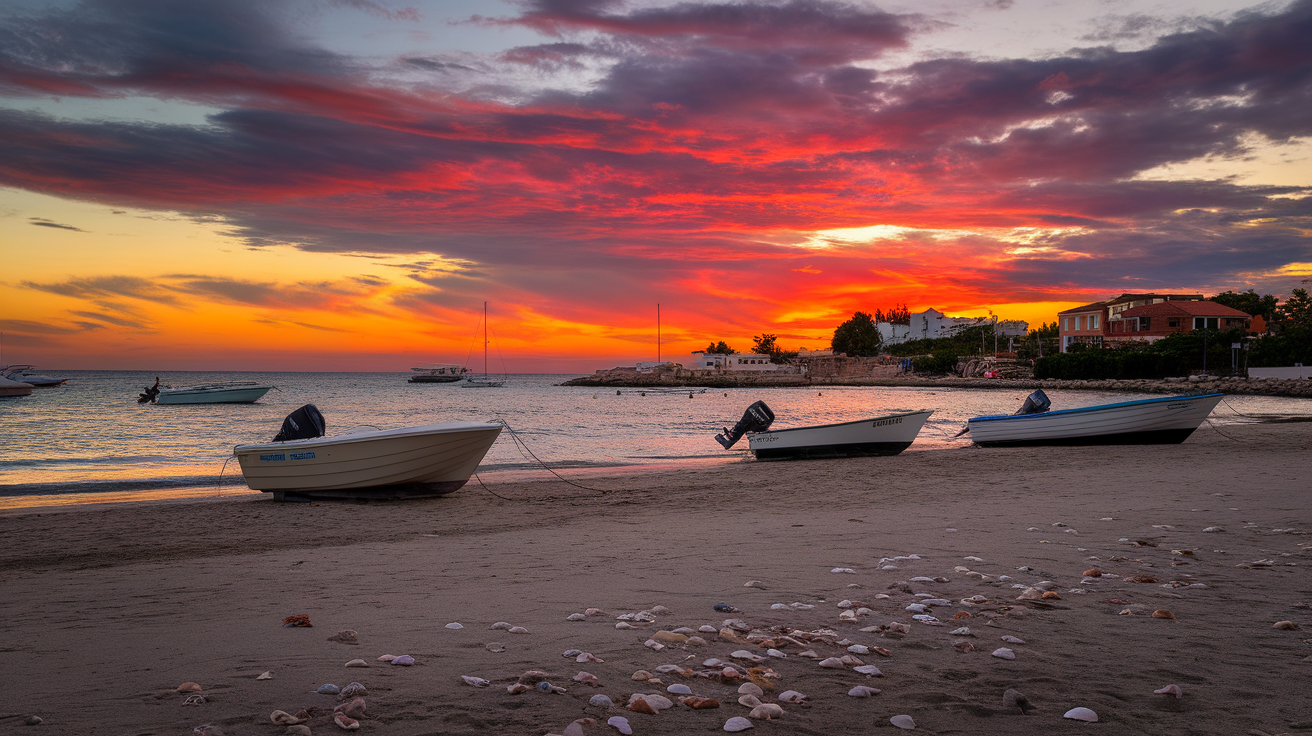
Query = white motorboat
x=1161 y=421
x=883 y=435
x=23 y=374
x=14 y=388
x=438 y=373
x=223 y=392
x=412 y=462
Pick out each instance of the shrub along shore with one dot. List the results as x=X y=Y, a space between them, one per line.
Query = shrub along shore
x=1229 y=385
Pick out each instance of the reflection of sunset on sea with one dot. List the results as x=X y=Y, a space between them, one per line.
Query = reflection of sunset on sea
x=340 y=186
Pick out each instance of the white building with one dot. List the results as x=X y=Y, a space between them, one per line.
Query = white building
x=749 y=362
x=932 y=324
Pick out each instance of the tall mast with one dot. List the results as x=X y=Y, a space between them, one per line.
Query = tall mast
x=485 y=339
x=658 y=332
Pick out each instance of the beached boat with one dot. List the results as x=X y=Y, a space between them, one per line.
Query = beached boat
x=24 y=374
x=438 y=373
x=223 y=392
x=412 y=462
x=14 y=388
x=1161 y=421
x=883 y=435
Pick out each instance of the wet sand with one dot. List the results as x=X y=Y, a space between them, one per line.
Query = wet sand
x=107 y=610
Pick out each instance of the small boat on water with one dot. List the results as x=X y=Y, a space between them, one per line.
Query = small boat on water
x=220 y=392
x=24 y=374
x=883 y=435
x=438 y=373
x=14 y=388
x=484 y=380
x=1162 y=421
x=411 y=462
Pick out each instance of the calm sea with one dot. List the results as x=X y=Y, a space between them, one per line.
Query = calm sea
x=90 y=441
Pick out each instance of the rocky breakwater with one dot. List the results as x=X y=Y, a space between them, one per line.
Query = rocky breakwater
x=675 y=376
x=1301 y=388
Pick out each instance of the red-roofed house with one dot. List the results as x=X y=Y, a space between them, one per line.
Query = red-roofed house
x=1092 y=323
x=1152 y=322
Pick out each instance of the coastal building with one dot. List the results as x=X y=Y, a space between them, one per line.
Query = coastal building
x=1145 y=318
x=932 y=324
x=743 y=362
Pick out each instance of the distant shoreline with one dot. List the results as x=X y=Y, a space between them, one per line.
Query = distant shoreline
x=1300 y=388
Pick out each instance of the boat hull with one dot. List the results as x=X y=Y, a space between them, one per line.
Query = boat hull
x=14 y=388
x=415 y=462
x=434 y=379
x=887 y=435
x=243 y=395
x=1148 y=422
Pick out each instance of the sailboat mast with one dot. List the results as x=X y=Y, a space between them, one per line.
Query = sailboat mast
x=485 y=339
x=658 y=333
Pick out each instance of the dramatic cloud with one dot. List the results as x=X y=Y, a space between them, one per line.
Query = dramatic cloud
x=695 y=147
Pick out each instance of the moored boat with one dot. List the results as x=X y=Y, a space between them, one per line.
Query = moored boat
x=14 y=388
x=223 y=392
x=1168 y=420
x=24 y=374
x=410 y=462
x=438 y=373
x=888 y=434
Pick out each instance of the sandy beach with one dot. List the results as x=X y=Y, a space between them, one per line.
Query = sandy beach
x=107 y=610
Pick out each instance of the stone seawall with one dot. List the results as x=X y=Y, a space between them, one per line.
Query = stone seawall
x=683 y=378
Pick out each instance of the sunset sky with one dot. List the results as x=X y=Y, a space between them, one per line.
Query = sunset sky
x=340 y=185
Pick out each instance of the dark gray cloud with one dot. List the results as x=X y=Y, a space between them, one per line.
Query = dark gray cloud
x=42 y=222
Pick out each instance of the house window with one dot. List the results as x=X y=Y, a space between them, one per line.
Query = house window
x=1093 y=322
x=1173 y=323
x=1066 y=324
x=1145 y=323
x=1205 y=323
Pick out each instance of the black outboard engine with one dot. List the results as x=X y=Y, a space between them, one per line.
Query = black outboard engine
x=303 y=424
x=150 y=394
x=1036 y=403
x=757 y=418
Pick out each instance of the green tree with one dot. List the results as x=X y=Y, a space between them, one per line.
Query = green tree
x=858 y=337
x=765 y=344
x=1047 y=329
x=720 y=349
x=1248 y=302
x=1297 y=309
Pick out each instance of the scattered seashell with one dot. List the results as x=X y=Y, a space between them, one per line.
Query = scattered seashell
x=754 y=584
x=500 y=625
x=405 y=660
x=1093 y=572
x=847 y=570
x=697 y=703
x=300 y=620
x=1013 y=639
x=737 y=723
x=601 y=701
x=791 y=696
x=619 y=723
x=346 y=636
x=352 y=690
x=658 y=610
x=1052 y=595
x=195 y=699
x=1004 y=653
x=1285 y=626
x=861 y=691
x=707 y=629
x=869 y=670
x=750 y=688
x=775 y=653
x=744 y=654
x=653 y=644
x=696 y=641
x=588 y=657
x=495 y=647
x=669 y=637
x=328 y=689
x=724 y=608
x=649 y=703
x=1030 y=594
x=345 y=722
x=475 y=681
x=517 y=688
x=357 y=663
x=749 y=700
x=768 y=711
x=352 y=709
x=624 y=625
x=679 y=689
x=903 y=721
x=576 y=617
x=833 y=663
x=1163 y=613
x=283 y=718
x=518 y=630
x=189 y=687
x=455 y=625
x=269 y=675
x=1081 y=714
x=1171 y=690
x=1212 y=529
x=641 y=676
x=963 y=646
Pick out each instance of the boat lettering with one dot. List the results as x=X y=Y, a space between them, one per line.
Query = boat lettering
x=765 y=438
x=1177 y=406
x=268 y=458
x=302 y=455
x=886 y=422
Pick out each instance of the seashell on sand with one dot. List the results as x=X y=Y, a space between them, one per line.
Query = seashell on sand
x=903 y=721
x=576 y=617
x=346 y=636
x=387 y=658
x=601 y=701
x=768 y=711
x=737 y=723
x=352 y=708
x=791 y=696
x=669 y=637
x=859 y=649
x=649 y=703
x=352 y=690
x=495 y=647
x=1012 y=639
x=268 y=675
x=455 y=625
x=1171 y=690
x=624 y=625
x=869 y=670
x=641 y=676
x=696 y=641
x=328 y=689
x=775 y=653
x=1004 y=653
x=708 y=629
x=862 y=691
x=1163 y=613
x=345 y=722
x=750 y=688
x=588 y=657
x=517 y=688
x=475 y=681
x=1081 y=714
x=283 y=718
x=744 y=654
x=697 y=703
x=500 y=625
x=1093 y=572
x=405 y=660
x=357 y=663
x=754 y=584
x=189 y=687
x=653 y=644
x=518 y=630
x=679 y=689
x=963 y=646
x=1285 y=626
x=620 y=723
x=833 y=663
x=748 y=700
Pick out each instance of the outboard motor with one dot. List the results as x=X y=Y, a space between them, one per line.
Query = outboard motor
x=1036 y=403
x=757 y=418
x=303 y=424
x=149 y=395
